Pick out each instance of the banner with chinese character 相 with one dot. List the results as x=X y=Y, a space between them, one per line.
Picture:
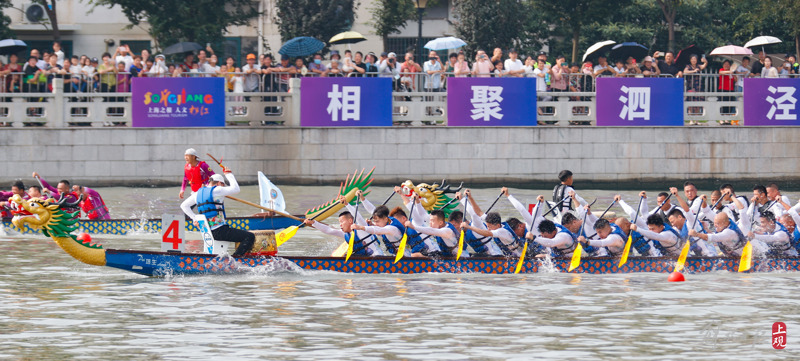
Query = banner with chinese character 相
x=639 y=101
x=771 y=101
x=481 y=102
x=178 y=102
x=346 y=102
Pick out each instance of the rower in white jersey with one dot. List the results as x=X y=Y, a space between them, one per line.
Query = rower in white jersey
x=774 y=194
x=727 y=234
x=446 y=233
x=611 y=237
x=665 y=239
x=420 y=246
x=775 y=235
x=388 y=228
x=559 y=239
x=481 y=245
x=642 y=245
x=731 y=209
x=508 y=235
x=365 y=244
x=684 y=217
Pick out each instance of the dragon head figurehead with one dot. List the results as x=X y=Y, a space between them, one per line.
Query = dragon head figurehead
x=359 y=181
x=431 y=196
x=57 y=224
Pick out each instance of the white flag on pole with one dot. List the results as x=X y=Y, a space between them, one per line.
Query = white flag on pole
x=271 y=196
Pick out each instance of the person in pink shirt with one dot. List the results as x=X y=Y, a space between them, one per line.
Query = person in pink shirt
x=92 y=203
x=63 y=188
x=482 y=68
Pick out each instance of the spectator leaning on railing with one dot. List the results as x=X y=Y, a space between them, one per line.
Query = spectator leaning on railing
x=434 y=70
x=482 y=68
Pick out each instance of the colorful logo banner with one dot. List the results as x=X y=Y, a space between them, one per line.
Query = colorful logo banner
x=482 y=102
x=178 y=102
x=771 y=101
x=346 y=102
x=640 y=102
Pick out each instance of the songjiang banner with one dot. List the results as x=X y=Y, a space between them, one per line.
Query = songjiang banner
x=482 y=102
x=178 y=102
x=640 y=101
x=346 y=102
x=771 y=101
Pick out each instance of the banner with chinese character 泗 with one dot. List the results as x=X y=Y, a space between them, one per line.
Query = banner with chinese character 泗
x=771 y=101
x=640 y=101
x=482 y=102
x=346 y=102
x=178 y=102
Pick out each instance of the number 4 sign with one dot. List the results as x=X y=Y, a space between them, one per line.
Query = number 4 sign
x=172 y=229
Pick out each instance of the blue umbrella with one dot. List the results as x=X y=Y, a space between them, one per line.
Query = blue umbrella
x=623 y=50
x=301 y=46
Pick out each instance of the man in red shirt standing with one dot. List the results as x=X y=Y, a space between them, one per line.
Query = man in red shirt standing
x=195 y=173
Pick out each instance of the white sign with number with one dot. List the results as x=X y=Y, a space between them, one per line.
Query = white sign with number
x=172 y=232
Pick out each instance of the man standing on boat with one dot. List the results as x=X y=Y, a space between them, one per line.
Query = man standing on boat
x=563 y=190
x=92 y=203
x=210 y=203
x=195 y=173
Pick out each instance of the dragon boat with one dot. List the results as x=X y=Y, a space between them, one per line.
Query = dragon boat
x=55 y=223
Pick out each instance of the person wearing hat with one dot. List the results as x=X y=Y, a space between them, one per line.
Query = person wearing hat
x=195 y=173
x=251 y=71
x=649 y=67
x=210 y=201
x=389 y=67
x=159 y=68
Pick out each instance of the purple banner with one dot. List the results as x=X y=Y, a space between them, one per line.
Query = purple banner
x=178 y=102
x=483 y=102
x=346 y=102
x=771 y=101
x=640 y=102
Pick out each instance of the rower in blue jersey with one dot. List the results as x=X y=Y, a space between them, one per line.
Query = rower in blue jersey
x=388 y=228
x=444 y=231
x=664 y=237
x=775 y=235
x=508 y=235
x=611 y=237
x=420 y=247
x=365 y=244
x=642 y=245
x=481 y=245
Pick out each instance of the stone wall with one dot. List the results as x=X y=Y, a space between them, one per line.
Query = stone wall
x=528 y=157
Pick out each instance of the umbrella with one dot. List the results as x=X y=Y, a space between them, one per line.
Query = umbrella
x=301 y=46
x=623 y=50
x=731 y=50
x=347 y=37
x=683 y=56
x=598 y=48
x=762 y=40
x=12 y=46
x=445 y=43
x=182 y=47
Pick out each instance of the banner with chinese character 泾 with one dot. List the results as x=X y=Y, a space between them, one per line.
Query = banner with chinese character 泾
x=481 y=102
x=639 y=101
x=771 y=101
x=346 y=102
x=178 y=102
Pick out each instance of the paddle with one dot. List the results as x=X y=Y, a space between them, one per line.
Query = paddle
x=401 y=249
x=264 y=208
x=287 y=233
x=604 y=213
x=449 y=203
x=525 y=248
x=685 y=251
x=353 y=235
x=495 y=202
x=576 y=255
x=461 y=237
x=627 y=249
x=555 y=206
x=747 y=256
x=661 y=205
x=390 y=197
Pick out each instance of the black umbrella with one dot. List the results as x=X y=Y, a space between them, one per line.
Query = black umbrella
x=182 y=47
x=624 y=50
x=12 y=46
x=685 y=54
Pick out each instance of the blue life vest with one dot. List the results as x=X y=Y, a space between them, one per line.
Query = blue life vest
x=391 y=247
x=206 y=204
x=641 y=244
x=778 y=249
x=508 y=249
x=561 y=252
x=666 y=251
x=728 y=251
x=448 y=250
x=478 y=244
x=796 y=239
x=359 y=246
x=589 y=249
x=415 y=241
x=618 y=231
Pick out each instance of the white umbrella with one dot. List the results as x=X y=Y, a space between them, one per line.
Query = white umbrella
x=598 y=47
x=731 y=50
x=761 y=41
x=445 y=43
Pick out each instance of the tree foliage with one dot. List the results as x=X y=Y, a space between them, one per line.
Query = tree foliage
x=5 y=21
x=388 y=16
x=175 y=21
x=489 y=24
x=321 y=19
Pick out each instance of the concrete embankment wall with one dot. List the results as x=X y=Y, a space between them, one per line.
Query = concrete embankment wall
x=526 y=157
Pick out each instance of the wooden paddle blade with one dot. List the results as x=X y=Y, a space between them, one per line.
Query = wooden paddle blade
x=350 y=246
x=401 y=249
x=521 y=258
x=576 y=258
x=626 y=251
x=340 y=251
x=747 y=257
x=682 y=257
x=285 y=235
x=460 y=245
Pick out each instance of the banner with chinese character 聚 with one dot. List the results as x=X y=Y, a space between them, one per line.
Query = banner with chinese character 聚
x=639 y=102
x=346 y=102
x=178 y=102
x=482 y=102
x=771 y=101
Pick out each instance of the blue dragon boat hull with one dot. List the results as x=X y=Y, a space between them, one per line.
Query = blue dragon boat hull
x=168 y=263
x=126 y=226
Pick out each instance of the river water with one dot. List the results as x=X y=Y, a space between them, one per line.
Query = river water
x=57 y=308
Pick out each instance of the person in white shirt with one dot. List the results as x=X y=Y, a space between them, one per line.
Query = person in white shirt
x=434 y=70
x=446 y=233
x=210 y=68
x=728 y=235
x=742 y=71
x=159 y=68
x=388 y=228
x=666 y=240
x=513 y=65
x=508 y=235
x=774 y=194
x=611 y=237
x=210 y=203
x=364 y=244
x=123 y=55
x=482 y=245
x=775 y=235
x=59 y=54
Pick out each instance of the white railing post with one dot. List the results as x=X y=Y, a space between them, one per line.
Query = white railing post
x=294 y=90
x=55 y=112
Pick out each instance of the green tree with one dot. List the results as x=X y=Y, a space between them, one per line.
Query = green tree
x=5 y=21
x=780 y=18
x=388 y=16
x=181 y=20
x=489 y=24
x=321 y=19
